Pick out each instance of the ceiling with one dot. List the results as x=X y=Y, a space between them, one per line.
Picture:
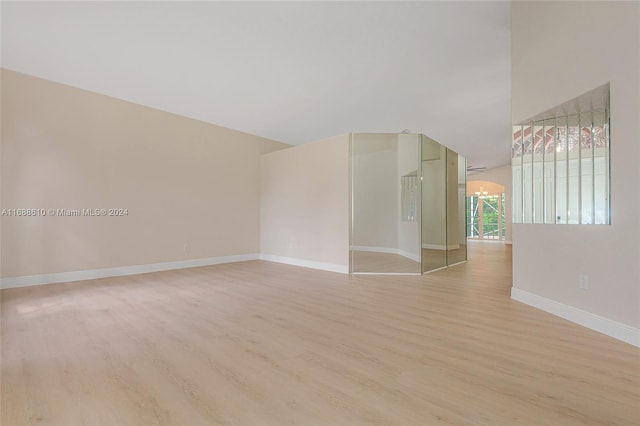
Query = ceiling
x=291 y=71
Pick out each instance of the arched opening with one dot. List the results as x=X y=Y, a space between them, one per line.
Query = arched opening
x=485 y=210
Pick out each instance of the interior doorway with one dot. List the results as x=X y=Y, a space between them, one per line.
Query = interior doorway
x=485 y=211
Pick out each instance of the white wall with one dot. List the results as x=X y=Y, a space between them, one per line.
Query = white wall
x=408 y=163
x=502 y=176
x=304 y=205
x=375 y=180
x=559 y=51
x=434 y=197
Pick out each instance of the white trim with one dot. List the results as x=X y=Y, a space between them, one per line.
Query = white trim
x=441 y=246
x=92 y=274
x=386 y=273
x=408 y=255
x=375 y=249
x=333 y=267
x=415 y=258
x=434 y=270
x=607 y=326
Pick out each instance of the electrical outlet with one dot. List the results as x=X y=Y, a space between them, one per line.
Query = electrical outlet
x=583 y=282
x=185 y=248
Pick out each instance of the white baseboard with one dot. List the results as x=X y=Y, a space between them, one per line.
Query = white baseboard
x=375 y=249
x=414 y=257
x=332 y=267
x=611 y=328
x=441 y=246
x=93 y=274
x=387 y=273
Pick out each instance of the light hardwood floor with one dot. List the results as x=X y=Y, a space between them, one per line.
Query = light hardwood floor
x=376 y=262
x=258 y=343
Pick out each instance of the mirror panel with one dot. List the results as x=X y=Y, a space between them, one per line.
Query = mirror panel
x=573 y=169
x=408 y=204
x=385 y=226
x=456 y=200
x=601 y=167
x=537 y=170
x=516 y=169
x=434 y=205
x=549 y=201
x=561 y=179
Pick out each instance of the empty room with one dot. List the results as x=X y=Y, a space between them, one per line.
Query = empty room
x=320 y=213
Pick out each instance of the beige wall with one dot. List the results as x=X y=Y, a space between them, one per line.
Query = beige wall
x=182 y=181
x=304 y=212
x=562 y=50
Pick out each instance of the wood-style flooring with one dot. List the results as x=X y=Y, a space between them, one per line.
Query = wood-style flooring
x=259 y=343
x=390 y=263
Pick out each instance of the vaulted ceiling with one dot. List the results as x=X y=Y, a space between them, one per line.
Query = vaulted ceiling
x=291 y=71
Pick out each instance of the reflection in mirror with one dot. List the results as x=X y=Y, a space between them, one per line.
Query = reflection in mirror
x=601 y=167
x=549 y=165
x=408 y=212
x=456 y=201
x=561 y=164
x=527 y=173
x=538 y=161
x=434 y=205
x=573 y=213
x=516 y=169
x=385 y=210
x=561 y=183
